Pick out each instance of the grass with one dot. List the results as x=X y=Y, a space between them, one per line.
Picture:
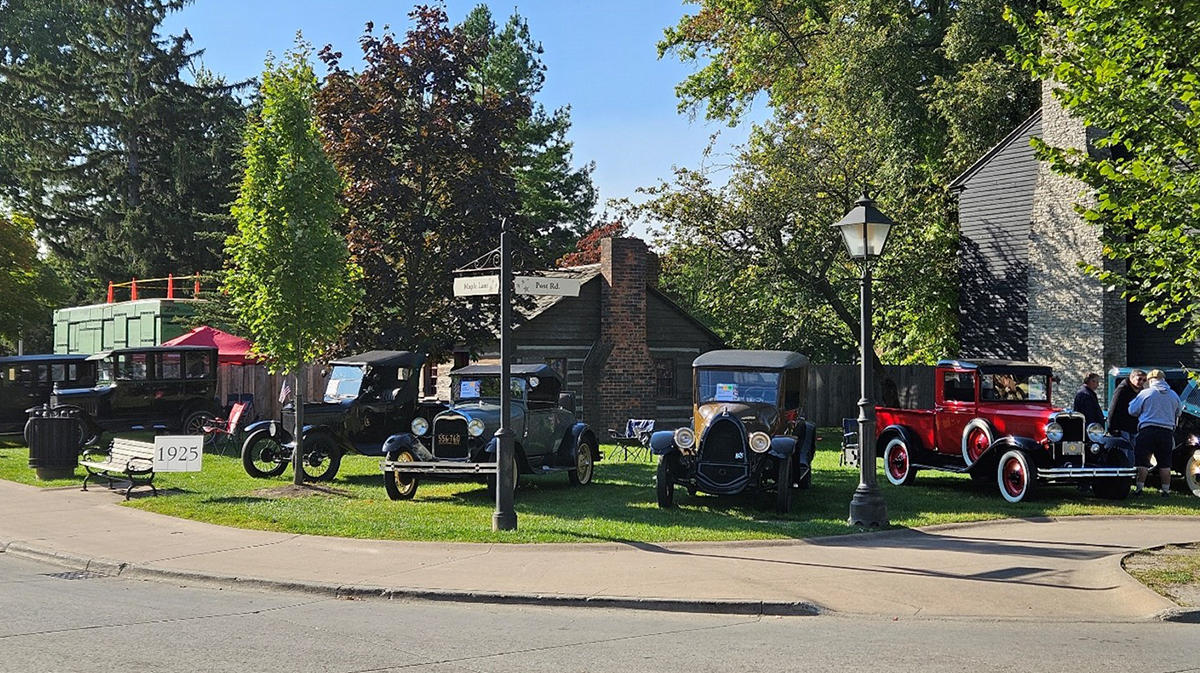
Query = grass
x=1172 y=571
x=618 y=506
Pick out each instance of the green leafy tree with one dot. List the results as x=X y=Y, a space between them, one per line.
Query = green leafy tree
x=290 y=279
x=126 y=168
x=556 y=198
x=429 y=178
x=29 y=288
x=908 y=93
x=1132 y=69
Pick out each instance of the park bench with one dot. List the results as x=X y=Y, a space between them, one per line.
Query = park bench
x=133 y=461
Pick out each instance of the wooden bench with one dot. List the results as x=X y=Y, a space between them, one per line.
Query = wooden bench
x=132 y=460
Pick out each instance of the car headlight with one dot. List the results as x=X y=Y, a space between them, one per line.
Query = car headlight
x=475 y=427
x=1095 y=432
x=759 y=442
x=420 y=426
x=1054 y=432
x=1095 y=449
x=685 y=438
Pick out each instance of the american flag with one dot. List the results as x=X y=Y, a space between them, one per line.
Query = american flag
x=285 y=391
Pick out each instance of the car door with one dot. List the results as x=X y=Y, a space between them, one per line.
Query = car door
x=956 y=404
x=133 y=394
x=544 y=421
x=17 y=393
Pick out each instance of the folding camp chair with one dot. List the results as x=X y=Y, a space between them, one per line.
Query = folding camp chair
x=224 y=431
x=636 y=438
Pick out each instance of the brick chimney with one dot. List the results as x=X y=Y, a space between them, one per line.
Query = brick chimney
x=624 y=382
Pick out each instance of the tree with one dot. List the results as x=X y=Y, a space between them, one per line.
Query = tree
x=429 y=178
x=909 y=93
x=29 y=289
x=556 y=199
x=1132 y=69
x=587 y=249
x=291 y=281
x=125 y=168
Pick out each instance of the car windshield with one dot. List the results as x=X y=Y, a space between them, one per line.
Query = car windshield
x=344 y=383
x=476 y=388
x=724 y=385
x=1013 y=387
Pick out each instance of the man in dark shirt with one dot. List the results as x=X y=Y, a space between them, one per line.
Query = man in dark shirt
x=1086 y=401
x=1120 y=422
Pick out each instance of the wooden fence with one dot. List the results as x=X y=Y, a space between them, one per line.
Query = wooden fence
x=833 y=391
x=254 y=380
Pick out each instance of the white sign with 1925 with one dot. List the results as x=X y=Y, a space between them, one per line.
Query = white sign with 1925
x=178 y=453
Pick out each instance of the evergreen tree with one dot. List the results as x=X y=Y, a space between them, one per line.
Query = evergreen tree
x=125 y=168
x=556 y=198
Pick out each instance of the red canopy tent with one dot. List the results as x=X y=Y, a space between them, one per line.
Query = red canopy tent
x=231 y=350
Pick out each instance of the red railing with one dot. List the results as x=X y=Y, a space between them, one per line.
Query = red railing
x=152 y=284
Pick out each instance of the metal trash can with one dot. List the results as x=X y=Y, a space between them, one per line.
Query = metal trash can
x=55 y=438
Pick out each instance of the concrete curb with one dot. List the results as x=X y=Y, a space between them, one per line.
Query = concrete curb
x=111 y=568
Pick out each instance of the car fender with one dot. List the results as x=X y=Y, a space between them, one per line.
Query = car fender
x=494 y=445
x=581 y=433
x=662 y=443
x=1117 y=451
x=782 y=447
x=903 y=432
x=1036 y=452
x=806 y=443
x=405 y=442
x=273 y=428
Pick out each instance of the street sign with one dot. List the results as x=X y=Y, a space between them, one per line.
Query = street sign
x=180 y=453
x=559 y=287
x=474 y=286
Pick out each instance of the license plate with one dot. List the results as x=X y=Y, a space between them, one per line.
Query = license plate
x=449 y=440
x=1072 y=448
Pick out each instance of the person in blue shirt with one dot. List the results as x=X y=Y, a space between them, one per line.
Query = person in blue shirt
x=1157 y=410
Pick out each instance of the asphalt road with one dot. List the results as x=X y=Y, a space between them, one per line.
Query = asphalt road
x=62 y=621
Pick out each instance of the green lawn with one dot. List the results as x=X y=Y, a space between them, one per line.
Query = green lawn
x=618 y=506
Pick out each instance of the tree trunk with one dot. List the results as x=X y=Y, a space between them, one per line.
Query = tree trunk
x=297 y=430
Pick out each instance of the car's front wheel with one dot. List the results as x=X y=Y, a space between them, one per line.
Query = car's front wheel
x=400 y=486
x=263 y=456
x=1016 y=476
x=1191 y=472
x=585 y=466
x=195 y=422
x=783 y=486
x=664 y=480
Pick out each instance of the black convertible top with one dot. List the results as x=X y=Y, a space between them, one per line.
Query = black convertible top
x=49 y=358
x=154 y=349
x=542 y=370
x=751 y=359
x=383 y=359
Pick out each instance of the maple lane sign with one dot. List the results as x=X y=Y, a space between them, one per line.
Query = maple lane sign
x=471 y=286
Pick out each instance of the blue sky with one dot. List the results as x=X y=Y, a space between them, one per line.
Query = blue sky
x=600 y=56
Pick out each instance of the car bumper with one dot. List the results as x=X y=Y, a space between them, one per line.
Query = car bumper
x=1086 y=472
x=437 y=467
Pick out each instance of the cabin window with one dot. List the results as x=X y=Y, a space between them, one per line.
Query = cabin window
x=131 y=366
x=198 y=365
x=170 y=366
x=664 y=378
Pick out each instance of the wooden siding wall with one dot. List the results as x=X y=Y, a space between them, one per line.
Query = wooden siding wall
x=995 y=209
x=255 y=380
x=672 y=336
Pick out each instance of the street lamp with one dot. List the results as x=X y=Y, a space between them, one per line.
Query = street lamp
x=865 y=231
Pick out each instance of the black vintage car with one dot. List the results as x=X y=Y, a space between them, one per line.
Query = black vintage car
x=27 y=381
x=173 y=387
x=460 y=443
x=749 y=430
x=369 y=397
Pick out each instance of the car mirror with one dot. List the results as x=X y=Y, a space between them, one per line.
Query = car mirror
x=567 y=401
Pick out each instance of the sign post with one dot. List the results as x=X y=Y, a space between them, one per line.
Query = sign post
x=505 y=517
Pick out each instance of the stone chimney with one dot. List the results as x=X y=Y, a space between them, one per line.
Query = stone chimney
x=624 y=381
x=1075 y=324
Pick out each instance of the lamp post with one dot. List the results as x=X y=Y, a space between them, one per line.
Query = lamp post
x=865 y=231
x=505 y=516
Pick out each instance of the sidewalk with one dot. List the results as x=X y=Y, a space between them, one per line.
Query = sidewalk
x=1046 y=569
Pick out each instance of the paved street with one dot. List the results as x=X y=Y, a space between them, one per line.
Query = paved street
x=58 y=621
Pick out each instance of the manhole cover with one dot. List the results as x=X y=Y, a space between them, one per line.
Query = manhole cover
x=75 y=575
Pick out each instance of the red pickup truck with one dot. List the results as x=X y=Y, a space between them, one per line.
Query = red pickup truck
x=993 y=419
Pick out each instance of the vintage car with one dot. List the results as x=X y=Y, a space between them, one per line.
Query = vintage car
x=992 y=419
x=1185 y=459
x=460 y=443
x=172 y=387
x=27 y=381
x=748 y=431
x=368 y=398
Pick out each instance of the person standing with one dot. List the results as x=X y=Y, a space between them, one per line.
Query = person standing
x=1086 y=401
x=1157 y=409
x=1120 y=423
